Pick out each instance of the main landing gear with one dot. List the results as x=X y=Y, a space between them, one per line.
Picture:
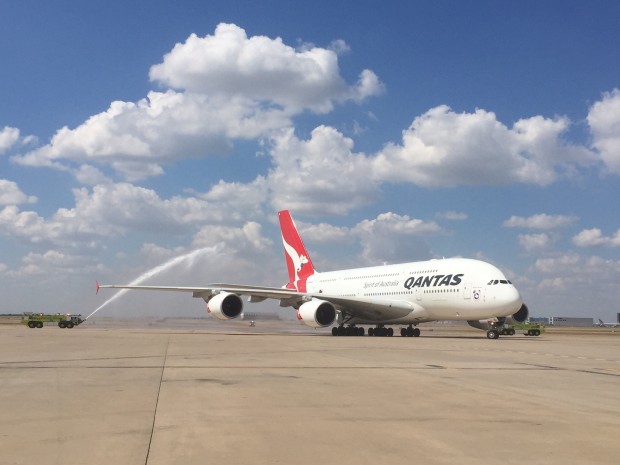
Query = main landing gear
x=351 y=330
x=379 y=331
x=410 y=331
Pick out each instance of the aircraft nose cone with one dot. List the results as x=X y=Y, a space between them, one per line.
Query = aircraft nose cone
x=511 y=298
x=506 y=299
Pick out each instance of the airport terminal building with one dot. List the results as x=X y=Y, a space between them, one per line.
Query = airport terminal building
x=570 y=321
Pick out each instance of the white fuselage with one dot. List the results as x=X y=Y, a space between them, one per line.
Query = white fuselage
x=447 y=289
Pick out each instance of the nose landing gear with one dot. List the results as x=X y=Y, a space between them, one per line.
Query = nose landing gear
x=492 y=334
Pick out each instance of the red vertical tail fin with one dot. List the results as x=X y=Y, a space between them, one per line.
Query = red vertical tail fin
x=298 y=262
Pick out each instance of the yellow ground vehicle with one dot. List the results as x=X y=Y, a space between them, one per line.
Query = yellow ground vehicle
x=530 y=329
x=38 y=320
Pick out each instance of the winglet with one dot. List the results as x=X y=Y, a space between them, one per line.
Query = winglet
x=97 y=288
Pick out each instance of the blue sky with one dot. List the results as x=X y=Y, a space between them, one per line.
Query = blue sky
x=135 y=132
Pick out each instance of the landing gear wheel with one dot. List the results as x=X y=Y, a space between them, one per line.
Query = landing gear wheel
x=390 y=332
x=379 y=331
x=492 y=334
x=338 y=331
x=410 y=331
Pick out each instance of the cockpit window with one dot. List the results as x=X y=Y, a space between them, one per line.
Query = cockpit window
x=495 y=282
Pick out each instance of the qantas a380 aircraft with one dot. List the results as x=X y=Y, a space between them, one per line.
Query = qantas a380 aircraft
x=405 y=294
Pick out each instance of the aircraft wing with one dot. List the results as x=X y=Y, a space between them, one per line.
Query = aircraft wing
x=366 y=308
x=211 y=289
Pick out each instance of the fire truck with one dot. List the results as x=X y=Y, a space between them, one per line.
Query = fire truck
x=63 y=320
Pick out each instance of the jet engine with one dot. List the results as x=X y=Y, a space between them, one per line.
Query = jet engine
x=518 y=317
x=521 y=315
x=225 y=306
x=317 y=313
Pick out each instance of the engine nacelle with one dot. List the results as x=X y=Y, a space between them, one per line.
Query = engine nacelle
x=225 y=306
x=518 y=317
x=317 y=313
x=521 y=315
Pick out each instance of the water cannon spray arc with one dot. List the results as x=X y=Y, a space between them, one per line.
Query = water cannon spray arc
x=190 y=257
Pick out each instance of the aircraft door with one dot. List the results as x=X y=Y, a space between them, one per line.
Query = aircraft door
x=467 y=291
x=477 y=294
x=473 y=293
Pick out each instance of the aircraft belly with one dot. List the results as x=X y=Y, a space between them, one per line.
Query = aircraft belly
x=406 y=320
x=376 y=311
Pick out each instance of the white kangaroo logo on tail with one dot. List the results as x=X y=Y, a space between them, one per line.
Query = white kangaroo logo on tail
x=298 y=260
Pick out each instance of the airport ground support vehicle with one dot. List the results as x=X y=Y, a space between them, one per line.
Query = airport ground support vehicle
x=529 y=329
x=63 y=320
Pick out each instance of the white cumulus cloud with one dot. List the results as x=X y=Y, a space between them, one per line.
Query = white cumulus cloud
x=114 y=210
x=134 y=138
x=322 y=175
x=604 y=121
x=557 y=265
x=540 y=221
x=228 y=87
x=261 y=69
x=11 y=194
x=325 y=233
x=534 y=242
x=249 y=236
x=594 y=237
x=444 y=148
x=453 y=216
x=8 y=137
x=394 y=238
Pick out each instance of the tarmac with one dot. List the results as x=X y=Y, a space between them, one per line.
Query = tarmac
x=185 y=393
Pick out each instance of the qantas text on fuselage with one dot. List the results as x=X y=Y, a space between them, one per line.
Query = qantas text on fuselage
x=434 y=281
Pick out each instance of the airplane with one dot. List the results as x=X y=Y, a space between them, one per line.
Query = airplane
x=402 y=295
x=607 y=325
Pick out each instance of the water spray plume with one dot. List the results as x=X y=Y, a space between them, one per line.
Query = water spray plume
x=191 y=257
